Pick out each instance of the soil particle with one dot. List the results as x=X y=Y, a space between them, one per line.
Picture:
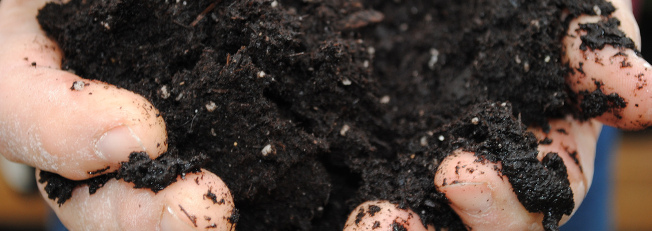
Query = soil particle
x=60 y=189
x=156 y=174
x=99 y=171
x=603 y=33
x=235 y=216
x=376 y=225
x=213 y=197
x=372 y=210
x=359 y=217
x=395 y=226
x=355 y=100
x=140 y=170
x=545 y=141
x=596 y=103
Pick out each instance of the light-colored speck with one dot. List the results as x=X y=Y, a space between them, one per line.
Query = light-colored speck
x=213 y=132
x=526 y=66
x=423 y=141
x=365 y=64
x=344 y=129
x=535 y=23
x=105 y=25
x=597 y=10
x=78 y=85
x=267 y=150
x=346 y=82
x=434 y=57
x=475 y=121
x=211 y=106
x=235 y=144
x=440 y=138
x=274 y=4
x=261 y=74
x=179 y=97
x=517 y=59
x=504 y=104
x=164 y=92
x=547 y=58
x=385 y=99
x=371 y=50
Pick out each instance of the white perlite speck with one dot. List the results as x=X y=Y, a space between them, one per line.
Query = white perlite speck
x=261 y=74
x=211 y=106
x=434 y=57
x=346 y=82
x=475 y=121
x=423 y=141
x=344 y=129
x=164 y=92
x=597 y=10
x=385 y=99
x=267 y=150
x=441 y=138
x=371 y=50
x=274 y=4
x=547 y=59
x=78 y=85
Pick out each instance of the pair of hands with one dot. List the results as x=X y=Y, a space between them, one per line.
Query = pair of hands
x=73 y=132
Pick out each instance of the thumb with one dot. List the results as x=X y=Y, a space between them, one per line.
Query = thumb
x=482 y=197
x=56 y=121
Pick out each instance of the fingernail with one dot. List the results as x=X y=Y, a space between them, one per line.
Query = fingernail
x=171 y=222
x=472 y=198
x=116 y=144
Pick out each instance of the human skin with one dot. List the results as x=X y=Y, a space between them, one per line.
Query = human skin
x=45 y=124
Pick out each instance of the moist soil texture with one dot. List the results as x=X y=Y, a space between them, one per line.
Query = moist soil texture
x=308 y=108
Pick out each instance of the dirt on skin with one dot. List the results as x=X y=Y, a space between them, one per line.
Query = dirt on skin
x=308 y=108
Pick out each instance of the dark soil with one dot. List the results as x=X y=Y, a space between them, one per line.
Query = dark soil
x=308 y=108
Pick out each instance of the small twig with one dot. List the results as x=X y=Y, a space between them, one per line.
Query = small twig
x=191 y=217
x=203 y=13
x=296 y=54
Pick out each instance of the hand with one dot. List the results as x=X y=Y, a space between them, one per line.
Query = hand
x=487 y=201
x=58 y=122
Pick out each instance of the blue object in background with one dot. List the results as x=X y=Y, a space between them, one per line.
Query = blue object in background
x=54 y=224
x=595 y=212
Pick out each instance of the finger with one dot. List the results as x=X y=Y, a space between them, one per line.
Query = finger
x=58 y=122
x=200 y=201
x=481 y=197
x=383 y=215
x=575 y=143
x=611 y=70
